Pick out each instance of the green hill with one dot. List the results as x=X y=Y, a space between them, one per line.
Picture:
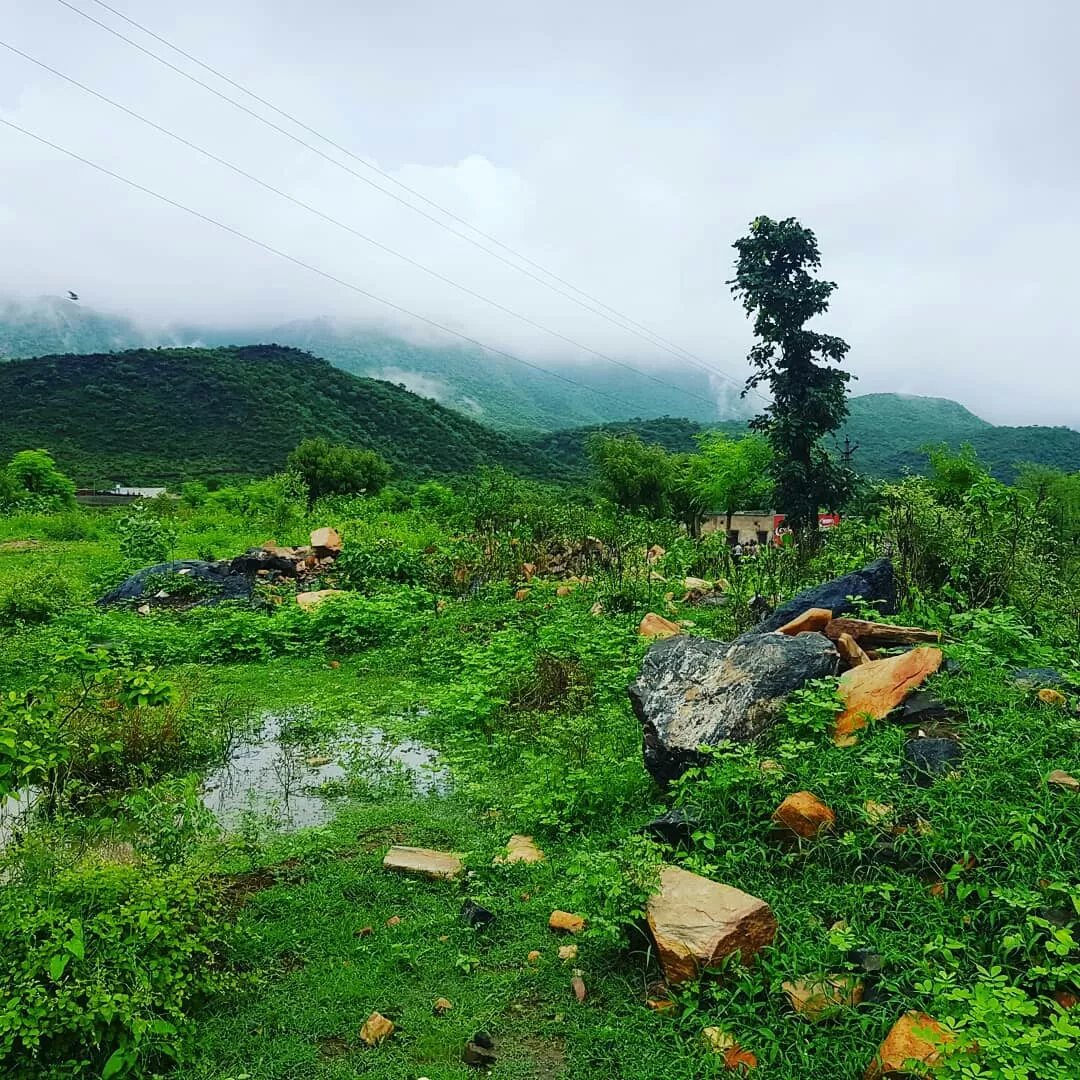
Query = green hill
x=166 y=414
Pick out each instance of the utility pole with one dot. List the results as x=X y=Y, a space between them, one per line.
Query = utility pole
x=848 y=451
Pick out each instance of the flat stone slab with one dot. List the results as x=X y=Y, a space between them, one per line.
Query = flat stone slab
x=308 y=600
x=423 y=861
x=521 y=849
x=872 y=691
x=697 y=922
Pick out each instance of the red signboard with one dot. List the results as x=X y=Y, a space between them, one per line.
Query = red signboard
x=825 y=521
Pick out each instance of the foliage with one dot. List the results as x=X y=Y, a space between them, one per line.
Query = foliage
x=146 y=538
x=32 y=480
x=34 y=596
x=337 y=470
x=633 y=474
x=774 y=280
x=730 y=474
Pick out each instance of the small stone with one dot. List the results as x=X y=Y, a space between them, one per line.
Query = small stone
x=364 y=931
x=318 y=762
x=1039 y=676
x=482 y=1038
x=878 y=813
x=568 y=953
x=565 y=922
x=770 y=767
x=736 y=1059
x=309 y=600
x=925 y=760
x=534 y=957
x=866 y=960
x=521 y=849
x=674 y=828
x=814 y=619
x=805 y=814
x=376 y=1028
x=522 y=594
x=394 y=920
x=444 y=938
x=528 y=570
x=914 y=1038
x=660 y=1004
x=143 y=609
x=717 y=1039
x=655 y=554
x=1053 y=697
x=577 y=984
x=656 y=627
x=1063 y=779
x=564 y=590
x=1066 y=998
x=823 y=998
x=480 y=1057
x=597 y=609
x=423 y=861
x=851 y=651
x=476 y=916
x=326 y=541
x=442 y=1006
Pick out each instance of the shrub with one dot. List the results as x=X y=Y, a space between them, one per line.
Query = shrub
x=384 y=561
x=34 y=596
x=145 y=538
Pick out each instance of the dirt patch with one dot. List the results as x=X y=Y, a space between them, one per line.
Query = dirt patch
x=381 y=836
x=334 y=1046
x=545 y=1056
x=20 y=545
x=240 y=888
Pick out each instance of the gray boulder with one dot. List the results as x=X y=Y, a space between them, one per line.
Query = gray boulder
x=876 y=582
x=144 y=585
x=694 y=691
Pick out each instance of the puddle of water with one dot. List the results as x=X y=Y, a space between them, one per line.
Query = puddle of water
x=278 y=778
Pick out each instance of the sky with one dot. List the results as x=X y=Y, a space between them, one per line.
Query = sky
x=619 y=144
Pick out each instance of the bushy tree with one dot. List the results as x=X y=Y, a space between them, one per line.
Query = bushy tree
x=775 y=281
x=953 y=475
x=634 y=475
x=32 y=474
x=729 y=474
x=329 y=469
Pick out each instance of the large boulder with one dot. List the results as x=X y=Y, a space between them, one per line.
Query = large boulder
x=694 y=691
x=217 y=581
x=874 y=583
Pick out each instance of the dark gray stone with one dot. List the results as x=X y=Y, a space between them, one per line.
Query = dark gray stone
x=927 y=759
x=925 y=707
x=875 y=582
x=867 y=961
x=141 y=587
x=479 y=1057
x=675 y=828
x=1040 y=678
x=694 y=691
x=476 y=916
x=482 y=1038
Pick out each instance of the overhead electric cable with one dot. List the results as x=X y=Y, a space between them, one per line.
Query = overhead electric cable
x=305 y=265
x=348 y=228
x=627 y=323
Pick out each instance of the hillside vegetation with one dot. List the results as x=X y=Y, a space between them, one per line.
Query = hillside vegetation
x=168 y=414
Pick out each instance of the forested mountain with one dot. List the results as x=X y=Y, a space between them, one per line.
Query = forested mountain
x=52 y=324
x=168 y=414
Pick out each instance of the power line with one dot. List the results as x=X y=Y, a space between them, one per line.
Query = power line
x=602 y=309
x=305 y=265
x=348 y=228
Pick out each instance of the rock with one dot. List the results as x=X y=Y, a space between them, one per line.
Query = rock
x=325 y=542
x=659 y=1004
x=878 y=813
x=875 y=582
x=915 y=1040
x=696 y=584
x=309 y=600
x=521 y=849
x=145 y=585
x=597 y=609
x=442 y=1006
x=565 y=922
x=693 y=691
x=876 y=635
x=522 y=594
x=1066 y=998
x=873 y=690
x=925 y=707
x=656 y=626
x=927 y=759
x=564 y=590
x=376 y=1028
x=474 y=915
x=394 y=920
x=675 y=828
x=143 y=609
x=568 y=953
x=480 y=1057
x=423 y=861
x=696 y=923
x=804 y=814
x=1063 y=779
x=1039 y=676
x=318 y=762
x=482 y=1038
x=736 y=1059
x=533 y=957
x=655 y=554
x=1053 y=697
x=868 y=961
x=528 y=570
x=825 y=997
x=813 y=619
x=850 y=651
x=577 y=984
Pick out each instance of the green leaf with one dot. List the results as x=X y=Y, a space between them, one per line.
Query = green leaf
x=117 y=1061
x=57 y=965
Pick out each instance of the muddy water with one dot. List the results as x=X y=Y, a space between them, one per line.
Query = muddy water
x=279 y=778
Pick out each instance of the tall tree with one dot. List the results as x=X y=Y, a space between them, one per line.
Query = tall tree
x=730 y=474
x=775 y=281
x=633 y=474
x=337 y=470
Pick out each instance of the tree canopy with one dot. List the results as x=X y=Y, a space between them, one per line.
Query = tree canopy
x=337 y=470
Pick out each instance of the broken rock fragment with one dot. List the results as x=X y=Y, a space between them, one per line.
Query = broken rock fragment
x=873 y=690
x=656 y=627
x=804 y=814
x=1062 y=779
x=375 y=1029
x=423 y=861
x=913 y=1047
x=697 y=922
x=824 y=997
x=566 y=922
x=814 y=619
x=521 y=849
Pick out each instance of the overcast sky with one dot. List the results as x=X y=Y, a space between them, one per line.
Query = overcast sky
x=622 y=144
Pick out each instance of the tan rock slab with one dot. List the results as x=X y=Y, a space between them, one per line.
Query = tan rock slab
x=521 y=849
x=804 y=814
x=850 y=651
x=912 y=1048
x=875 y=635
x=308 y=600
x=696 y=584
x=878 y=813
x=564 y=590
x=568 y=953
x=534 y=957
x=566 y=922
x=376 y=1028
x=697 y=922
x=656 y=626
x=423 y=861
x=522 y=594
x=1053 y=697
x=824 y=997
x=1063 y=779
x=813 y=619
x=442 y=1006
x=326 y=541
x=873 y=690
x=577 y=984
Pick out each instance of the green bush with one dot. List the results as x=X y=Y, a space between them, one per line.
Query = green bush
x=34 y=596
x=145 y=537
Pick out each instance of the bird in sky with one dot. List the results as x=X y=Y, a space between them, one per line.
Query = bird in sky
x=72 y=295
